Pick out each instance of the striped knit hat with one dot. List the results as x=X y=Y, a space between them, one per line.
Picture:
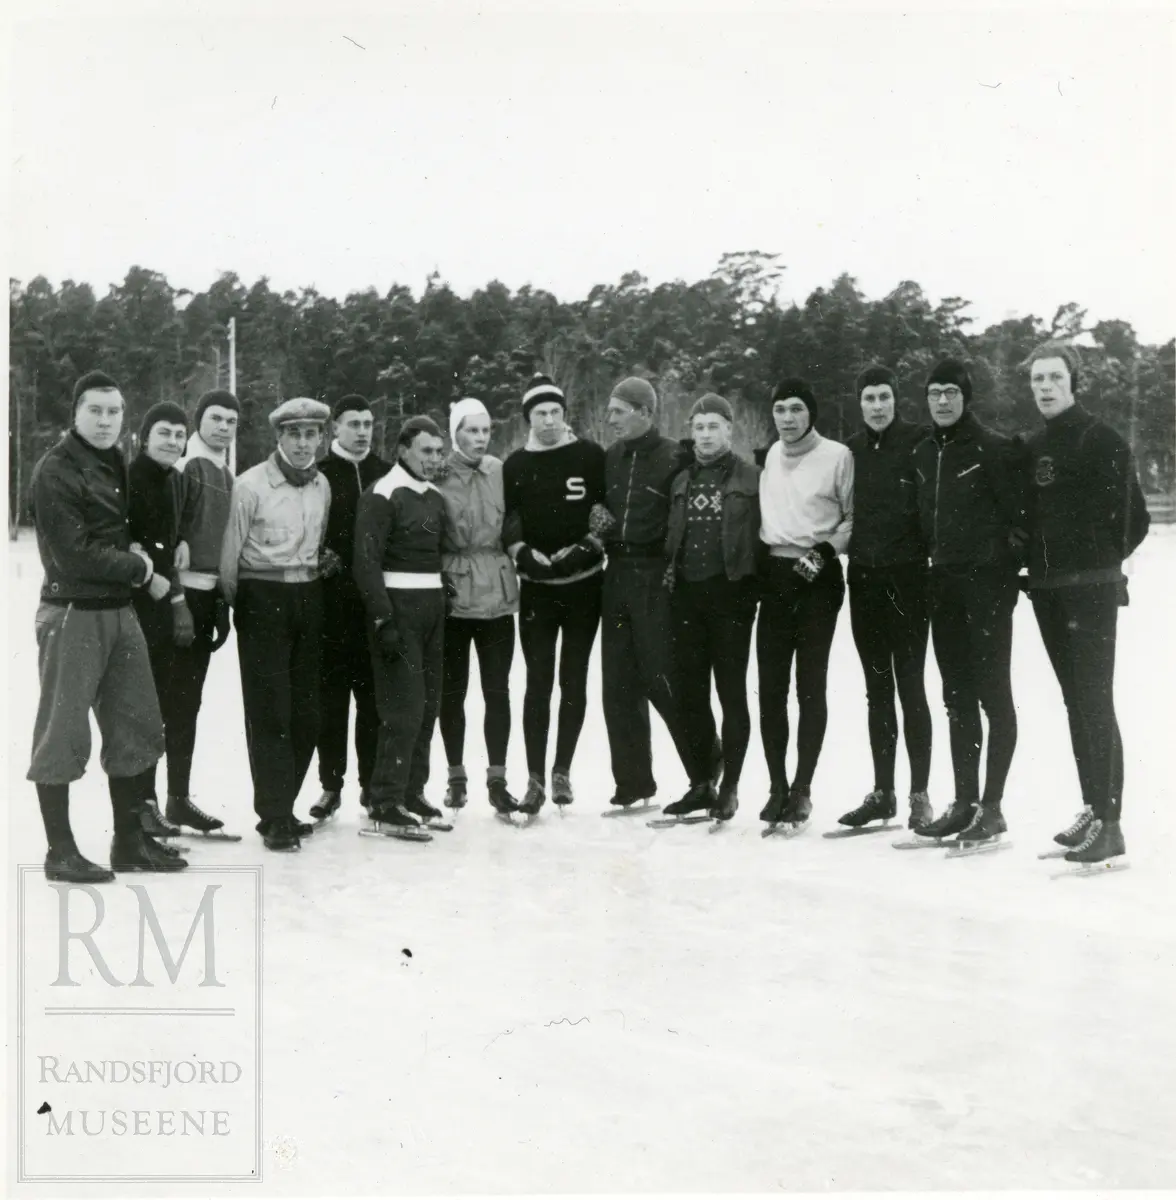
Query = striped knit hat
x=541 y=390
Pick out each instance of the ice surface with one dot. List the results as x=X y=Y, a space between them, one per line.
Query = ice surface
x=596 y=1006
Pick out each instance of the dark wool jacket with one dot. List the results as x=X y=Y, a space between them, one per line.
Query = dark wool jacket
x=741 y=516
x=637 y=475
x=154 y=513
x=886 y=530
x=348 y=480
x=79 y=500
x=971 y=484
x=399 y=528
x=1086 y=508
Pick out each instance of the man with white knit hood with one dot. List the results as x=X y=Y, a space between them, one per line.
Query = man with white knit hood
x=483 y=598
x=806 y=502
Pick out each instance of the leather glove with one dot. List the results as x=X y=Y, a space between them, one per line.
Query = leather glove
x=330 y=564
x=222 y=624
x=578 y=557
x=600 y=520
x=815 y=561
x=388 y=637
x=533 y=563
x=183 y=626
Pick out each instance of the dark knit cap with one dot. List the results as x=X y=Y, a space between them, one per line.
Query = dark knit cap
x=712 y=403
x=875 y=375
x=218 y=397
x=798 y=389
x=93 y=381
x=637 y=393
x=1065 y=352
x=165 y=410
x=352 y=403
x=415 y=425
x=949 y=371
x=541 y=390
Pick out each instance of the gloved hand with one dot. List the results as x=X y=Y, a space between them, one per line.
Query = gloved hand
x=159 y=587
x=600 y=521
x=533 y=563
x=450 y=591
x=183 y=625
x=388 y=638
x=183 y=557
x=330 y=564
x=222 y=624
x=815 y=561
x=578 y=557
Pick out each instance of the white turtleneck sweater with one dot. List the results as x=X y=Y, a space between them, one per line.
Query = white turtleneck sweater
x=806 y=496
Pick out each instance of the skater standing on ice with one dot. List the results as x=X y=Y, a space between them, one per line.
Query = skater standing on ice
x=806 y=501
x=350 y=467
x=91 y=653
x=270 y=573
x=552 y=486
x=888 y=597
x=485 y=597
x=637 y=642
x=398 y=571
x=207 y=473
x=971 y=487
x=712 y=546
x=1086 y=515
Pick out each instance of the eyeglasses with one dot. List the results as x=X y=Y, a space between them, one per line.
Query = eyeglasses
x=948 y=393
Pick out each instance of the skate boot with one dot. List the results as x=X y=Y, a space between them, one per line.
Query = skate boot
x=534 y=800
x=153 y=822
x=134 y=850
x=700 y=798
x=717 y=765
x=1103 y=843
x=428 y=814
x=68 y=865
x=630 y=800
x=727 y=804
x=921 y=813
x=181 y=811
x=877 y=806
x=501 y=800
x=773 y=811
x=561 y=789
x=799 y=807
x=455 y=793
x=280 y=835
x=365 y=799
x=983 y=834
x=327 y=805
x=955 y=820
x=1075 y=835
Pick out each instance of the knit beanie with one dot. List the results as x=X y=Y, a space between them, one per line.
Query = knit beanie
x=165 y=410
x=1066 y=353
x=218 y=397
x=541 y=390
x=352 y=403
x=469 y=407
x=92 y=380
x=797 y=389
x=875 y=375
x=952 y=371
x=712 y=403
x=637 y=393
x=415 y=425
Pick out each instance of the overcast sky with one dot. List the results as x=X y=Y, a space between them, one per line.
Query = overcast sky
x=1019 y=162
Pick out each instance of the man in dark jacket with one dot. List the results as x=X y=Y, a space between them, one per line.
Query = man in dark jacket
x=888 y=596
x=90 y=649
x=636 y=644
x=1086 y=515
x=971 y=490
x=350 y=468
x=711 y=548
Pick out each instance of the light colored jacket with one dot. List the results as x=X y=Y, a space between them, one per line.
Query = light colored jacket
x=472 y=557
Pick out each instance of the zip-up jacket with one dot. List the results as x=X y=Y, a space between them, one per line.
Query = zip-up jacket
x=348 y=481
x=80 y=508
x=637 y=475
x=1087 y=512
x=886 y=530
x=154 y=514
x=397 y=539
x=740 y=517
x=971 y=484
x=472 y=558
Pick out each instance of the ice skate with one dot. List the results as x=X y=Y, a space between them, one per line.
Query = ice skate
x=182 y=812
x=1075 y=834
x=428 y=814
x=983 y=834
x=793 y=817
x=920 y=810
x=391 y=821
x=694 y=818
x=135 y=850
x=325 y=807
x=1102 y=850
x=700 y=798
x=153 y=821
x=725 y=807
x=561 y=790
x=501 y=800
x=877 y=806
x=622 y=804
x=455 y=793
x=280 y=835
x=533 y=801
x=71 y=866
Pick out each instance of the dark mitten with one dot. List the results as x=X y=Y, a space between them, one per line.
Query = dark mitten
x=534 y=564
x=571 y=560
x=183 y=626
x=815 y=561
x=222 y=625
x=600 y=521
x=388 y=638
x=330 y=564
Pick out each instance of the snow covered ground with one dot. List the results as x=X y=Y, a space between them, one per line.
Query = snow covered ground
x=595 y=1006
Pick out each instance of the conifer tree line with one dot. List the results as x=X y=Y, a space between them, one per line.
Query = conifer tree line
x=416 y=354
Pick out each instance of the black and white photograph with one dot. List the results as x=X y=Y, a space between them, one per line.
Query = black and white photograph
x=589 y=598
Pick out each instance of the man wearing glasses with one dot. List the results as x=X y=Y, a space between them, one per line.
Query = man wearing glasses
x=970 y=482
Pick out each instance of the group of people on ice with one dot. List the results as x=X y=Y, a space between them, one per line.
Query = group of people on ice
x=352 y=578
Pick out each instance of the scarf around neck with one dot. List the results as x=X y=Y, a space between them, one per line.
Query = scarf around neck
x=533 y=443
x=297 y=476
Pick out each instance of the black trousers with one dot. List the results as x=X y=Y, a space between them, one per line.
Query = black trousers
x=547 y=611
x=494 y=640
x=345 y=671
x=408 y=693
x=187 y=670
x=637 y=665
x=889 y=616
x=972 y=632
x=155 y=619
x=1078 y=627
x=712 y=623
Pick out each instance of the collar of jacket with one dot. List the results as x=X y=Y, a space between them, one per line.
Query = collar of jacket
x=725 y=462
x=1064 y=419
x=337 y=450
x=875 y=437
x=197 y=447
x=144 y=464
x=459 y=463
x=81 y=450
x=963 y=430
x=646 y=441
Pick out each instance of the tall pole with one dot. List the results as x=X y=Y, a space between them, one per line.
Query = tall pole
x=233 y=355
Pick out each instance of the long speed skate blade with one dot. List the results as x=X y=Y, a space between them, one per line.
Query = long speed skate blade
x=858 y=831
x=213 y=835
x=667 y=822
x=1057 y=852
x=784 y=829
x=971 y=849
x=1096 y=868
x=399 y=833
x=631 y=810
x=439 y=826
x=915 y=842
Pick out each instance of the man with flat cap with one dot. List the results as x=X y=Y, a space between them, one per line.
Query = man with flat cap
x=350 y=468
x=270 y=572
